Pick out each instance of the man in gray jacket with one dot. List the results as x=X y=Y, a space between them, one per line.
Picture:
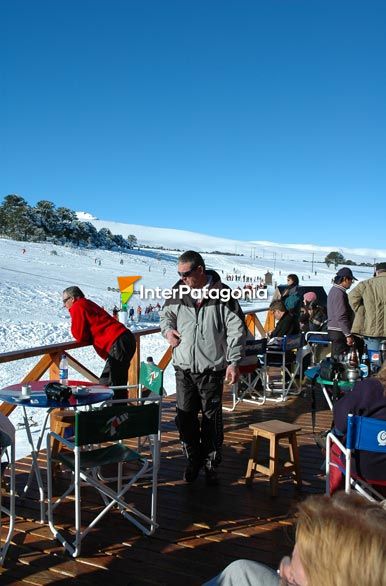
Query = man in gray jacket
x=205 y=326
x=368 y=300
x=339 y=313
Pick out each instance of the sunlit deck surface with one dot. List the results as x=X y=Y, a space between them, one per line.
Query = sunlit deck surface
x=202 y=529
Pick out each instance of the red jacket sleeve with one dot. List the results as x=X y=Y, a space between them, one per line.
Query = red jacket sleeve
x=80 y=328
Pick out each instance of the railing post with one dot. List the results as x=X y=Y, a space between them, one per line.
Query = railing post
x=54 y=367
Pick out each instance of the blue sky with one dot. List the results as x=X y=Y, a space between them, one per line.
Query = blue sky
x=256 y=120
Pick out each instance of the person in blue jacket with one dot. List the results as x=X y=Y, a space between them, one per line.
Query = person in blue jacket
x=291 y=296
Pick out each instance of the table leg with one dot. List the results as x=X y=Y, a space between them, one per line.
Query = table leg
x=35 y=462
x=327 y=397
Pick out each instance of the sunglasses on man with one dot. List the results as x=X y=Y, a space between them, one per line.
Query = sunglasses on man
x=185 y=274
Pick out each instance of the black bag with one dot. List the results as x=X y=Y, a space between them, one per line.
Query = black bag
x=57 y=392
x=331 y=369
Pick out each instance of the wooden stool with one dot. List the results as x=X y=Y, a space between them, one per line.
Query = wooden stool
x=274 y=431
x=60 y=420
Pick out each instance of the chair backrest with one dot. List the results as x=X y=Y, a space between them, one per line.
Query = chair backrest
x=321 y=338
x=366 y=433
x=151 y=377
x=7 y=431
x=253 y=349
x=117 y=422
x=292 y=342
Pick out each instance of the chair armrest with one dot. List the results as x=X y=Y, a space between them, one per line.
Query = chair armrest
x=331 y=437
x=61 y=439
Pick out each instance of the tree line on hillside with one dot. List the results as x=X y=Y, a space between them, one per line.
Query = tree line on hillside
x=336 y=258
x=45 y=222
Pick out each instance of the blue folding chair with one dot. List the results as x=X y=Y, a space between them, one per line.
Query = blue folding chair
x=285 y=353
x=364 y=434
x=320 y=345
x=251 y=385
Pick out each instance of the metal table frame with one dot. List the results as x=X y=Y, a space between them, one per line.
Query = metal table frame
x=38 y=399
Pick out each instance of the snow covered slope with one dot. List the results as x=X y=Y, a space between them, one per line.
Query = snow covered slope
x=31 y=283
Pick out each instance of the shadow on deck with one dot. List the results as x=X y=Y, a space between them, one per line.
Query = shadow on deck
x=202 y=529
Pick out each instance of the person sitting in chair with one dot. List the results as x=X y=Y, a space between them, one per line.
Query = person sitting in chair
x=313 y=317
x=286 y=322
x=367 y=399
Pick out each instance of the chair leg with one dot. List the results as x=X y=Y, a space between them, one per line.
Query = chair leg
x=294 y=455
x=11 y=511
x=273 y=465
x=252 y=459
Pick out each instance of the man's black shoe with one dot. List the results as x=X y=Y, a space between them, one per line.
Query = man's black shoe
x=191 y=472
x=211 y=477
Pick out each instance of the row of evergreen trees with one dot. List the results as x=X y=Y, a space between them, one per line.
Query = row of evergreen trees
x=45 y=222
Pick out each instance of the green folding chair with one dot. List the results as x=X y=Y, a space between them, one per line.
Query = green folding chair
x=98 y=442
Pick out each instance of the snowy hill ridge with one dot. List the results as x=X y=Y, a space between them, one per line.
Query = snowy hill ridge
x=184 y=240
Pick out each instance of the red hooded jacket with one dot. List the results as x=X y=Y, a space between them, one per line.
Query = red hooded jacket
x=92 y=324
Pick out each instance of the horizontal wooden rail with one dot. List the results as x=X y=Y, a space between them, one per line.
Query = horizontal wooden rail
x=50 y=356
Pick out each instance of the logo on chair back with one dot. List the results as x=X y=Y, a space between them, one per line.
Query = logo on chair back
x=381 y=438
x=153 y=375
x=113 y=424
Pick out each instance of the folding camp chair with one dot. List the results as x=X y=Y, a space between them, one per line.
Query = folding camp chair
x=282 y=353
x=251 y=385
x=107 y=427
x=320 y=345
x=363 y=433
x=150 y=385
x=7 y=459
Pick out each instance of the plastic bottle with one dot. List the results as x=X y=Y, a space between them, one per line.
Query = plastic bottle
x=353 y=358
x=63 y=370
x=365 y=365
x=150 y=360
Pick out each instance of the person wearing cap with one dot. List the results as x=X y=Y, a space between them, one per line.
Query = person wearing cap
x=340 y=315
x=368 y=300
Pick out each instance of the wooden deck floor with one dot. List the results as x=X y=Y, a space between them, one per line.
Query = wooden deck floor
x=202 y=529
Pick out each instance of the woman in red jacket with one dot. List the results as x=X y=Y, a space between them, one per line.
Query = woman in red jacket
x=91 y=324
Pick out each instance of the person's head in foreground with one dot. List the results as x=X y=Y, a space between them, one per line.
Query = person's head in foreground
x=340 y=541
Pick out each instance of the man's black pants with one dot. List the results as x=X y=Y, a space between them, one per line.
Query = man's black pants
x=202 y=441
x=340 y=346
x=118 y=362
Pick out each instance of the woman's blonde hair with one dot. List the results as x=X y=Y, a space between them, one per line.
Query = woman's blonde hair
x=342 y=540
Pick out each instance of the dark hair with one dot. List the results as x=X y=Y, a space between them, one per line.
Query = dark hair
x=74 y=291
x=194 y=258
x=294 y=278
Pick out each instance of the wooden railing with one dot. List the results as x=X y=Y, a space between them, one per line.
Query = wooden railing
x=50 y=356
